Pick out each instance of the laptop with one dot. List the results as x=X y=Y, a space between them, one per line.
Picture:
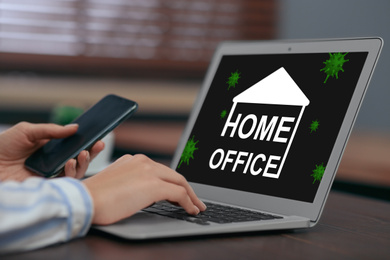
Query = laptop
x=265 y=137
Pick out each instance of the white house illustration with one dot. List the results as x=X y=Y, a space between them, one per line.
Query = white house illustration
x=276 y=89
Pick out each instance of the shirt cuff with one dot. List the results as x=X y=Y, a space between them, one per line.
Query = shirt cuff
x=79 y=203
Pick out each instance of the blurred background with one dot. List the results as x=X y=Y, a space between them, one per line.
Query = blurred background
x=73 y=52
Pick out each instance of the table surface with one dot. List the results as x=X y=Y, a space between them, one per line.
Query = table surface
x=351 y=227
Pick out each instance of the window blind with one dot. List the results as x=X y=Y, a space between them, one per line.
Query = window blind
x=123 y=35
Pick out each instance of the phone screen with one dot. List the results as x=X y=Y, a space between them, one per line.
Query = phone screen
x=94 y=124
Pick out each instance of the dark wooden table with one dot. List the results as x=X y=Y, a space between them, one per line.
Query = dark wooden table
x=351 y=227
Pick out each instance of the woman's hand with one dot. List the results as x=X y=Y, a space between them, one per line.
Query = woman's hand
x=135 y=182
x=20 y=141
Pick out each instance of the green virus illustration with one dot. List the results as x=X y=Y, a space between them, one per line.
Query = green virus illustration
x=334 y=64
x=318 y=172
x=223 y=114
x=233 y=79
x=314 y=126
x=188 y=152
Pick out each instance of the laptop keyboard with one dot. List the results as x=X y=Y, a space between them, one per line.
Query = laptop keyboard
x=216 y=213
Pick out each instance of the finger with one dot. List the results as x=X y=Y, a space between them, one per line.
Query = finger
x=49 y=131
x=96 y=149
x=178 y=194
x=70 y=168
x=194 y=197
x=168 y=175
x=179 y=179
x=83 y=160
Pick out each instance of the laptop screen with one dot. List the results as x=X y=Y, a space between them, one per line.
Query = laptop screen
x=269 y=122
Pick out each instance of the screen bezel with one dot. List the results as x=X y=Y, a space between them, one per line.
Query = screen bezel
x=274 y=204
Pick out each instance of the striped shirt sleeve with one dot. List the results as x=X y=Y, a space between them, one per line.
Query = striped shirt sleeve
x=40 y=212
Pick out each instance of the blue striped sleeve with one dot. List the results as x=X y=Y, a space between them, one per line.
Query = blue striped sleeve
x=39 y=212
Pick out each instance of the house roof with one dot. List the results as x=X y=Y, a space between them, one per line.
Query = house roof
x=277 y=88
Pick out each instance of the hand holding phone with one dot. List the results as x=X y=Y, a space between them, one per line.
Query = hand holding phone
x=94 y=124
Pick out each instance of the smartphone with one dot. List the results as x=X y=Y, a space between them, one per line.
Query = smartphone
x=94 y=124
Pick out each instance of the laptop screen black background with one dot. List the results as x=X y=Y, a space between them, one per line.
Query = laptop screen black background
x=310 y=148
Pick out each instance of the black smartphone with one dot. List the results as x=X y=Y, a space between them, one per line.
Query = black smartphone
x=94 y=124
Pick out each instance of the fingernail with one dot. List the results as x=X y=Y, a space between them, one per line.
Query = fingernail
x=197 y=210
x=74 y=164
x=204 y=205
x=88 y=157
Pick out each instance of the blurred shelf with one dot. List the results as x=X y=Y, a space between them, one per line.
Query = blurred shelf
x=158 y=138
x=40 y=94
